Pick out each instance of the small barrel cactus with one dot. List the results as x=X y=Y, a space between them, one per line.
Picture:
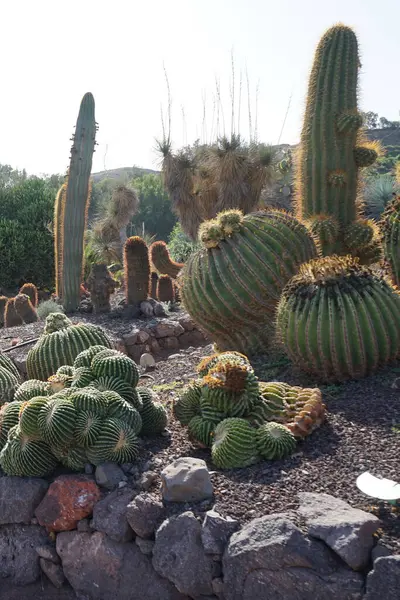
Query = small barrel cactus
x=8 y=364
x=84 y=358
x=31 y=389
x=26 y=457
x=390 y=226
x=162 y=261
x=232 y=286
x=201 y=431
x=29 y=414
x=274 y=441
x=9 y=417
x=137 y=270
x=117 y=365
x=231 y=388
x=339 y=320
x=56 y=422
x=165 y=289
x=117 y=442
x=60 y=344
x=154 y=416
x=234 y=444
x=8 y=385
x=187 y=405
x=72 y=458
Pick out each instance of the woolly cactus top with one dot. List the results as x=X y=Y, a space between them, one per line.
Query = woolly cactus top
x=55 y=322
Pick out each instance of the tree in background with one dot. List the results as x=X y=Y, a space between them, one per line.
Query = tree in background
x=155 y=210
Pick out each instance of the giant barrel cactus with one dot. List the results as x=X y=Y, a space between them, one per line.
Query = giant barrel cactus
x=60 y=344
x=391 y=238
x=71 y=208
x=232 y=286
x=339 y=320
x=332 y=151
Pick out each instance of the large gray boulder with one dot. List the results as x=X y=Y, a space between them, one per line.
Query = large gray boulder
x=271 y=558
x=144 y=515
x=19 y=561
x=19 y=497
x=347 y=530
x=109 y=515
x=100 y=569
x=216 y=531
x=383 y=582
x=178 y=554
x=187 y=479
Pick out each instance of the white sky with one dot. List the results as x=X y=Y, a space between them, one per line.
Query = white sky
x=54 y=51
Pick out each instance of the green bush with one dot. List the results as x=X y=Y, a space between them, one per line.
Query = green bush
x=155 y=210
x=180 y=245
x=26 y=242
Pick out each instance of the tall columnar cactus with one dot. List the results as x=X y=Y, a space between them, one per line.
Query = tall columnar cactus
x=25 y=309
x=30 y=290
x=153 y=285
x=162 y=261
x=165 y=289
x=11 y=317
x=339 y=320
x=391 y=238
x=232 y=286
x=137 y=270
x=332 y=151
x=71 y=208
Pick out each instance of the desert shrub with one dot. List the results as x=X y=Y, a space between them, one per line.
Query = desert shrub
x=180 y=245
x=47 y=307
x=25 y=238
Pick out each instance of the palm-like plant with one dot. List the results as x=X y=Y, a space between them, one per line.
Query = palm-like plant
x=378 y=192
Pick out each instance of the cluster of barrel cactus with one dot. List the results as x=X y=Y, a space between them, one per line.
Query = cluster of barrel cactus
x=88 y=412
x=241 y=419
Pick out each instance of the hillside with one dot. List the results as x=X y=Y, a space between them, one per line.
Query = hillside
x=122 y=173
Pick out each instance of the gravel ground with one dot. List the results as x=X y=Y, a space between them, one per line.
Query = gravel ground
x=359 y=435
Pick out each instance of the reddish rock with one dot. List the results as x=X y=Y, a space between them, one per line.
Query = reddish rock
x=69 y=499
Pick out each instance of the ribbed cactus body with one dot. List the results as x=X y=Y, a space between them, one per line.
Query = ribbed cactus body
x=8 y=385
x=72 y=458
x=118 y=365
x=56 y=422
x=89 y=400
x=232 y=288
x=234 y=444
x=117 y=442
x=274 y=441
x=82 y=377
x=391 y=238
x=137 y=270
x=73 y=208
x=61 y=347
x=3 y=302
x=201 y=431
x=24 y=457
x=165 y=289
x=339 y=320
x=88 y=426
x=9 y=365
x=9 y=417
x=154 y=416
x=332 y=149
x=187 y=405
x=84 y=358
x=29 y=414
x=162 y=261
x=114 y=384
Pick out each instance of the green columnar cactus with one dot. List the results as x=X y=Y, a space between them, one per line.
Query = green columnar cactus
x=60 y=344
x=59 y=207
x=11 y=317
x=332 y=151
x=165 y=289
x=234 y=444
x=231 y=287
x=70 y=232
x=162 y=261
x=30 y=290
x=137 y=270
x=390 y=226
x=339 y=320
x=274 y=441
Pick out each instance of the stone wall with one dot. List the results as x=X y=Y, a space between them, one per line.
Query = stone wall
x=109 y=535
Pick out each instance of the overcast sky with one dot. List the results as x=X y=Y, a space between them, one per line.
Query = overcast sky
x=53 y=52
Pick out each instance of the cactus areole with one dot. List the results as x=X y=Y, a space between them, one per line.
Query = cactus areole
x=77 y=199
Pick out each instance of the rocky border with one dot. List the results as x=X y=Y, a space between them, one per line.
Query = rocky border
x=108 y=535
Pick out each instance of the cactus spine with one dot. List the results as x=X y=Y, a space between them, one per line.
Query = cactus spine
x=332 y=151
x=71 y=208
x=231 y=287
x=165 y=289
x=162 y=261
x=339 y=320
x=391 y=238
x=137 y=270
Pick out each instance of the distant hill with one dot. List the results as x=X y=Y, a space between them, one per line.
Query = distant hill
x=387 y=136
x=123 y=174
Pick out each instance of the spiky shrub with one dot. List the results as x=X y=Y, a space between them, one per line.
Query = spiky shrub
x=26 y=457
x=165 y=289
x=137 y=270
x=11 y=317
x=48 y=307
x=300 y=409
x=333 y=150
x=162 y=261
x=71 y=208
x=30 y=290
x=60 y=344
x=390 y=226
x=232 y=286
x=234 y=444
x=8 y=385
x=274 y=441
x=339 y=320
x=101 y=286
x=25 y=309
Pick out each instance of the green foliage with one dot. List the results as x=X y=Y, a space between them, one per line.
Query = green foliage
x=274 y=441
x=339 y=320
x=47 y=307
x=180 y=245
x=26 y=209
x=378 y=192
x=155 y=211
x=231 y=289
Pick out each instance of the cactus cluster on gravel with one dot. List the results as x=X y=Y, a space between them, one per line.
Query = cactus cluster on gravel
x=241 y=419
x=74 y=420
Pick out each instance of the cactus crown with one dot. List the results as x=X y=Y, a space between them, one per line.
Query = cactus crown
x=231 y=376
x=55 y=322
